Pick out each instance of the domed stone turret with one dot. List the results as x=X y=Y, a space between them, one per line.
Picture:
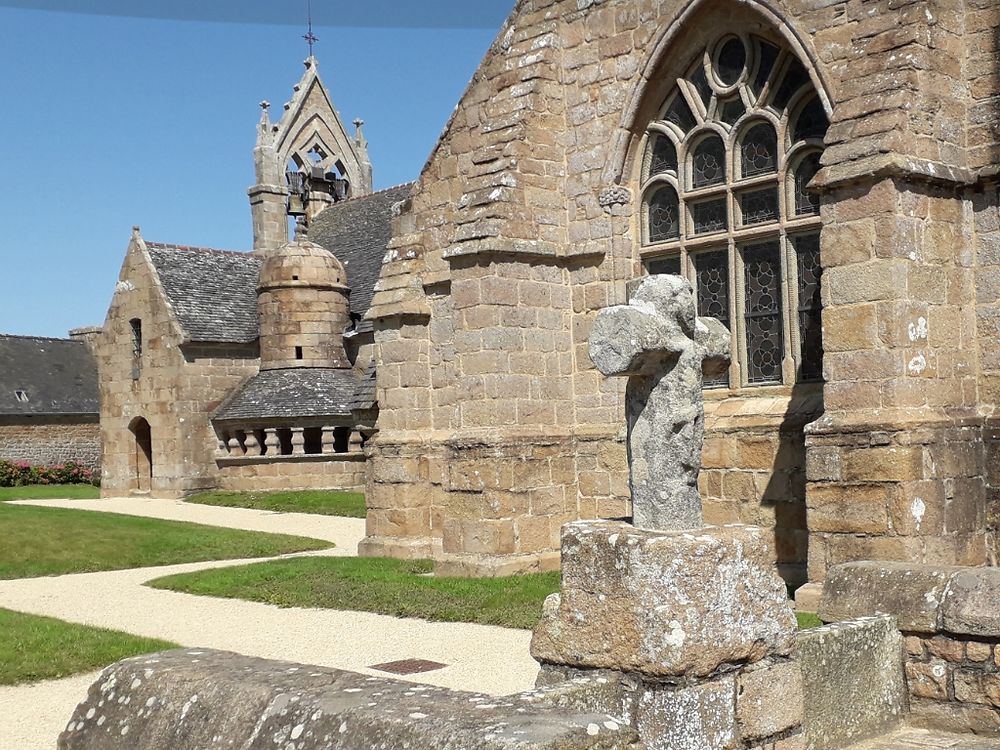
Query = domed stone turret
x=302 y=302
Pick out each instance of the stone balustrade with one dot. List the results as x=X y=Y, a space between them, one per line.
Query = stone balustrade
x=288 y=442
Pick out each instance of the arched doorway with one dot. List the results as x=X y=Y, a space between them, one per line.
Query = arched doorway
x=142 y=460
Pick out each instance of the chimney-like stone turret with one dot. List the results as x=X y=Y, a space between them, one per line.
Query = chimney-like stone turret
x=303 y=306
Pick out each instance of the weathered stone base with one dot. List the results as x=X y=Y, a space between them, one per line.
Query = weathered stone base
x=951 y=623
x=211 y=700
x=665 y=604
x=853 y=681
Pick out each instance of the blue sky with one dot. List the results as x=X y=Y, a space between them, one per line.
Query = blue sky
x=114 y=120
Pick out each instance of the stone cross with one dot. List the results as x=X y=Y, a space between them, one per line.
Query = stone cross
x=665 y=350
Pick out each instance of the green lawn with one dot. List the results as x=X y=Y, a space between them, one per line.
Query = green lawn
x=54 y=541
x=323 y=502
x=807 y=620
x=37 y=648
x=50 y=491
x=391 y=587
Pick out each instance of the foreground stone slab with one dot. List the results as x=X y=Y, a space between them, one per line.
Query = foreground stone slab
x=852 y=681
x=213 y=700
x=664 y=604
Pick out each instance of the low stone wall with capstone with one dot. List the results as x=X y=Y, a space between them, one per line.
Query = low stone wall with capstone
x=210 y=700
x=949 y=618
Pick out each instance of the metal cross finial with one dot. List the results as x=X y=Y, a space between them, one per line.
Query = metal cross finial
x=310 y=38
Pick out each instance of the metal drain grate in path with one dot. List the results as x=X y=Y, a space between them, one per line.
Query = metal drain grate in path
x=409 y=666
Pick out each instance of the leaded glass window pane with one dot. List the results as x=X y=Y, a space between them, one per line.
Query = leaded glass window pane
x=810 y=307
x=762 y=311
x=709 y=165
x=679 y=113
x=701 y=85
x=662 y=156
x=759 y=206
x=670 y=265
x=806 y=201
x=731 y=61
x=811 y=122
x=709 y=216
x=732 y=110
x=663 y=215
x=765 y=65
x=759 y=150
x=712 y=275
x=794 y=79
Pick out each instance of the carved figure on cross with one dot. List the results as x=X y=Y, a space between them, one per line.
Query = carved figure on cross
x=665 y=350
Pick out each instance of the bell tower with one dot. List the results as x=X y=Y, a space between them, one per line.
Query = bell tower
x=304 y=162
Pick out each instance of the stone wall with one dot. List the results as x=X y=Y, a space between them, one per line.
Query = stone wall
x=339 y=472
x=43 y=441
x=172 y=386
x=524 y=224
x=949 y=619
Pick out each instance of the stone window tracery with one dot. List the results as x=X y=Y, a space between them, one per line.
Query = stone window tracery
x=725 y=173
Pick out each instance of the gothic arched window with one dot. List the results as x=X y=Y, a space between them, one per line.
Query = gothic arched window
x=725 y=176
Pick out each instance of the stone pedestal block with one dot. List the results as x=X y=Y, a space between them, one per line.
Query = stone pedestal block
x=665 y=604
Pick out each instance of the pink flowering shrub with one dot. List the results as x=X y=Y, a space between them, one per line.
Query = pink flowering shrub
x=20 y=474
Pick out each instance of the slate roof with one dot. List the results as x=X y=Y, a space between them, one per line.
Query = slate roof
x=59 y=376
x=213 y=292
x=293 y=393
x=357 y=231
x=364 y=391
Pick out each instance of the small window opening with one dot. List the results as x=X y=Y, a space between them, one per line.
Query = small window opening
x=21 y=396
x=295 y=278
x=341 y=439
x=298 y=352
x=285 y=441
x=136 y=325
x=313 y=437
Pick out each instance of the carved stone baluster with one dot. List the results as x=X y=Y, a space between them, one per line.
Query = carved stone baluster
x=298 y=442
x=271 y=442
x=329 y=440
x=253 y=444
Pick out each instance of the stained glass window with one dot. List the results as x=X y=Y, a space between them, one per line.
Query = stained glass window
x=712 y=275
x=664 y=265
x=662 y=156
x=762 y=265
x=811 y=122
x=738 y=198
x=731 y=62
x=663 y=215
x=806 y=201
x=759 y=150
x=810 y=307
x=709 y=167
x=679 y=113
x=759 y=206
x=709 y=216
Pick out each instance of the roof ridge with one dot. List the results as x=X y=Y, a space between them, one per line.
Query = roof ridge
x=375 y=192
x=193 y=248
x=38 y=338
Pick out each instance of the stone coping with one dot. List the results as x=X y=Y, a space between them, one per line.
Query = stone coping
x=191 y=699
x=922 y=598
x=308 y=458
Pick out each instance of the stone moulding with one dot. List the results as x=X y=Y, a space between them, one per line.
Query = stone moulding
x=614 y=195
x=523 y=249
x=309 y=458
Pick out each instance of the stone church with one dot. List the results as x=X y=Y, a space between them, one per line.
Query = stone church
x=240 y=370
x=823 y=172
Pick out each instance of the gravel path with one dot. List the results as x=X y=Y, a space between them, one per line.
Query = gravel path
x=488 y=659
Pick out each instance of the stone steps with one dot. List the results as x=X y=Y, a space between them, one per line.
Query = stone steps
x=910 y=738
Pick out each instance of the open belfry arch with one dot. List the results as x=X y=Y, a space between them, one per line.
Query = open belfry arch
x=306 y=157
x=780 y=155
